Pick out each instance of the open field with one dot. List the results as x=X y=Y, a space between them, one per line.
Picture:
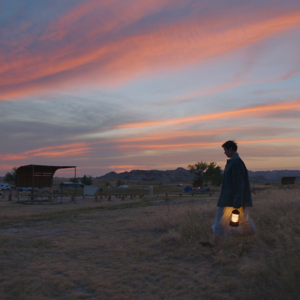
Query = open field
x=148 y=249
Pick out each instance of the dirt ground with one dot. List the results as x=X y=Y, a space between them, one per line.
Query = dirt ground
x=145 y=249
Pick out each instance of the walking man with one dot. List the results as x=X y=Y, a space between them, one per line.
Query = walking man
x=235 y=194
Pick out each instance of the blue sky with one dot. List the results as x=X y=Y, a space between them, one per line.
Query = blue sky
x=114 y=85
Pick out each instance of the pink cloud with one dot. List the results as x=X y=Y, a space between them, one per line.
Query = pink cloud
x=67 y=150
x=62 y=57
x=191 y=145
x=255 y=111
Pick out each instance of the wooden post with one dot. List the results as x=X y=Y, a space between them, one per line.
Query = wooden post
x=74 y=198
x=18 y=192
x=109 y=198
x=10 y=196
x=32 y=190
x=96 y=198
x=123 y=198
x=151 y=191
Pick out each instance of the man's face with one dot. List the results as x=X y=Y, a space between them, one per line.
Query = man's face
x=229 y=152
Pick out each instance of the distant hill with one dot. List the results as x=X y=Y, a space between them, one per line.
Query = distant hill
x=272 y=176
x=181 y=174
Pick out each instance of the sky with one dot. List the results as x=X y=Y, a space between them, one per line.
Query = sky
x=120 y=85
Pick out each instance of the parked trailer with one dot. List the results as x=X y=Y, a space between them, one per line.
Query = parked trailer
x=4 y=186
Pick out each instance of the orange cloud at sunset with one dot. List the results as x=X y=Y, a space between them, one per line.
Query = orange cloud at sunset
x=6 y=157
x=207 y=144
x=260 y=110
x=164 y=135
x=53 y=151
x=57 y=61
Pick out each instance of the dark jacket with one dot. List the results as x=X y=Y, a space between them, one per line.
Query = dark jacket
x=235 y=184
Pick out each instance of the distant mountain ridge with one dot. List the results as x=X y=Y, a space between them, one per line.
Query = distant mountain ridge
x=272 y=176
x=181 y=174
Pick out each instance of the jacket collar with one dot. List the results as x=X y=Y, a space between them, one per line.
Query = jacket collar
x=233 y=157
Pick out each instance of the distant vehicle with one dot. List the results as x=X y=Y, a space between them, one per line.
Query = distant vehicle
x=179 y=184
x=123 y=186
x=204 y=189
x=25 y=189
x=4 y=186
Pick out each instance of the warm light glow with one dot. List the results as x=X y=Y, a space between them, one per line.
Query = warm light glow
x=234 y=221
x=235 y=217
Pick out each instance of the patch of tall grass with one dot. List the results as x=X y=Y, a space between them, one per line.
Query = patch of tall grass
x=270 y=261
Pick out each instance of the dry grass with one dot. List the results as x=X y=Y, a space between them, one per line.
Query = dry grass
x=149 y=251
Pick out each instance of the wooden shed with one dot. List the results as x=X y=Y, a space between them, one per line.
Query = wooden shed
x=37 y=177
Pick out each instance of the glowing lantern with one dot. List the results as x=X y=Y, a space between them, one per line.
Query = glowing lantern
x=234 y=221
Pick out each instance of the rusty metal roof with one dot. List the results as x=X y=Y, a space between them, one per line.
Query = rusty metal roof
x=37 y=175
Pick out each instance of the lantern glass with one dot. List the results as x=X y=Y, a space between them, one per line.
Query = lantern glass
x=235 y=218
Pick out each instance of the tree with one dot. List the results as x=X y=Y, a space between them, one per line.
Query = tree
x=198 y=169
x=120 y=182
x=87 y=180
x=207 y=172
x=213 y=174
x=10 y=177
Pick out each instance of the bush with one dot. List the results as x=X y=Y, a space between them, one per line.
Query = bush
x=120 y=182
